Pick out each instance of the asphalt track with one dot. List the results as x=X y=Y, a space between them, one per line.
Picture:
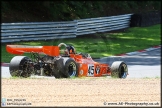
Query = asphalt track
x=141 y=65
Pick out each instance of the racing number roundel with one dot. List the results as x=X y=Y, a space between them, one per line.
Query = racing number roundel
x=97 y=69
x=90 y=70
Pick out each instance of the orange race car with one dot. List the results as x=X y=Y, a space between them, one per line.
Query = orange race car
x=48 y=61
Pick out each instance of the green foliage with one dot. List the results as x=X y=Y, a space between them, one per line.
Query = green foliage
x=70 y=10
x=5 y=6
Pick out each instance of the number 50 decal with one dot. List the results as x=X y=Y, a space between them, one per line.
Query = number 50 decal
x=90 y=70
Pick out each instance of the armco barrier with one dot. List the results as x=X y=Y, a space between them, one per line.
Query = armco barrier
x=102 y=24
x=14 y=32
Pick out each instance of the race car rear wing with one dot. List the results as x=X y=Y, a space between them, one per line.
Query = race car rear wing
x=21 y=49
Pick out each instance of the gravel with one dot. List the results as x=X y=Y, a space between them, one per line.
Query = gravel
x=83 y=91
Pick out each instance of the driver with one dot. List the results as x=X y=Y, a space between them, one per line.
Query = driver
x=69 y=50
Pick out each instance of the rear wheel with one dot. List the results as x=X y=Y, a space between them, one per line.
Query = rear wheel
x=58 y=68
x=70 y=68
x=20 y=66
x=119 y=69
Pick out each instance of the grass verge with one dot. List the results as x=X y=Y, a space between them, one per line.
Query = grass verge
x=102 y=44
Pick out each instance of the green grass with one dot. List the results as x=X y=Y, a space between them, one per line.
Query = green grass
x=157 y=77
x=103 y=45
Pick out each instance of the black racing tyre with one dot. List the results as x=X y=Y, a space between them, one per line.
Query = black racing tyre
x=20 y=67
x=119 y=69
x=58 y=68
x=57 y=73
x=70 y=68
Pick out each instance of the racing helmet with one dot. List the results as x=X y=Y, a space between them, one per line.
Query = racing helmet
x=70 y=49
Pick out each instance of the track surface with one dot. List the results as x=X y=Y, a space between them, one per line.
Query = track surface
x=141 y=65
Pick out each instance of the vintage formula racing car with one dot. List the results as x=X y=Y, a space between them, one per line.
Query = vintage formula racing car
x=48 y=61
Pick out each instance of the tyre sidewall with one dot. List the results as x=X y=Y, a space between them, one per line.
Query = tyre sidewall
x=66 y=68
x=16 y=66
x=117 y=69
x=124 y=75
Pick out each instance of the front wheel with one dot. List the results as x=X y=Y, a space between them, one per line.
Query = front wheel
x=119 y=69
